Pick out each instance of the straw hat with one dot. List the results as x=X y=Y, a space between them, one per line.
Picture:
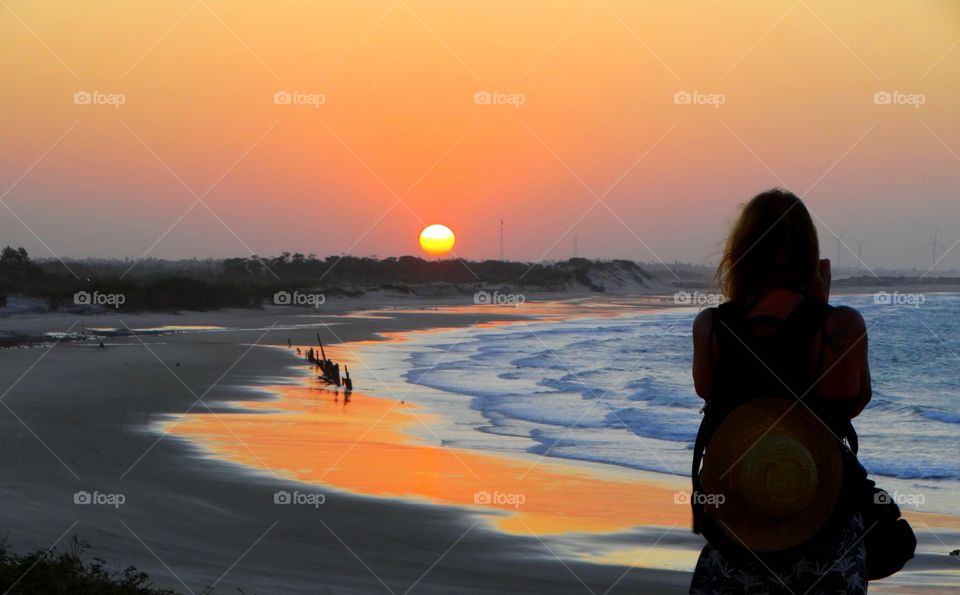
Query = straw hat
x=779 y=470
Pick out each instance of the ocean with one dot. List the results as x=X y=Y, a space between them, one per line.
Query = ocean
x=618 y=391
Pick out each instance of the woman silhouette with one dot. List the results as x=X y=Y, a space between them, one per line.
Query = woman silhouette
x=778 y=335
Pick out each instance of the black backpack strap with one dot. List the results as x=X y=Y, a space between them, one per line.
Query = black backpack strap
x=698 y=448
x=851 y=435
x=712 y=416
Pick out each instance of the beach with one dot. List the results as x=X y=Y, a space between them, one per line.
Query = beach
x=285 y=486
x=191 y=521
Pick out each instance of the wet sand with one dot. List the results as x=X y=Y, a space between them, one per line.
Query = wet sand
x=315 y=436
x=85 y=419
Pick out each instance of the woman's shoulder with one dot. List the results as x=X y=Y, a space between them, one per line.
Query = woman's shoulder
x=846 y=314
x=844 y=323
x=703 y=323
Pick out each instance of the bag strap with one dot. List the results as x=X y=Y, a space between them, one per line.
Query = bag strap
x=699 y=446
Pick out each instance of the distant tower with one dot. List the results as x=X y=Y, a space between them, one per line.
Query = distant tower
x=860 y=244
x=836 y=265
x=501 y=240
x=576 y=247
x=934 y=245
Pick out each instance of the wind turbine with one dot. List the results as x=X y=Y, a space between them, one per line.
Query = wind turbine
x=860 y=244
x=836 y=265
x=934 y=245
x=501 y=240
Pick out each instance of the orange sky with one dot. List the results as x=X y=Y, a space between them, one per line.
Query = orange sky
x=399 y=120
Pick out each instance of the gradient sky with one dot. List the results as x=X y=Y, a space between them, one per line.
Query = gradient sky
x=400 y=143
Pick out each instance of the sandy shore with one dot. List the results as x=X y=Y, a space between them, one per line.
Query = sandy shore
x=85 y=419
x=398 y=513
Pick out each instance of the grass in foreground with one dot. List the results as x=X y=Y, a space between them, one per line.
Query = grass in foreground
x=54 y=573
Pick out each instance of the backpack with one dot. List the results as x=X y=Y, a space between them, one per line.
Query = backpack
x=756 y=366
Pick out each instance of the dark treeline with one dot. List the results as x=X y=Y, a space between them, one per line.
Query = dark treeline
x=370 y=272
x=248 y=282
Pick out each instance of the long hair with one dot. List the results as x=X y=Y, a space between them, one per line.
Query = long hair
x=773 y=244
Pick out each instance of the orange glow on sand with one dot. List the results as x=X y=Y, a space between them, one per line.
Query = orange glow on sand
x=437 y=239
x=366 y=446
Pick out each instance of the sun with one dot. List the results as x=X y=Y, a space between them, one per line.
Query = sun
x=437 y=239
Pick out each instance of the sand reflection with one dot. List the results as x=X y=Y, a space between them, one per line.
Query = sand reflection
x=363 y=446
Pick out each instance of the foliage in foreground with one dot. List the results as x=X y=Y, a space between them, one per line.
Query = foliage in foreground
x=67 y=572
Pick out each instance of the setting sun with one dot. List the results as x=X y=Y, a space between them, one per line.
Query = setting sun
x=437 y=239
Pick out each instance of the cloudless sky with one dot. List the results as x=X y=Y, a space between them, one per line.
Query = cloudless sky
x=199 y=160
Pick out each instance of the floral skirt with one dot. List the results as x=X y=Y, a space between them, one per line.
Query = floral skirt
x=836 y=564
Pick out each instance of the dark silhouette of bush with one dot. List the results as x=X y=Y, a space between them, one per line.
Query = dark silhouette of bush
x=66 y=572
x=17 y=270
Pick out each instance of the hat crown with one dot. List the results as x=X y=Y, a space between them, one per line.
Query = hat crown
x=777 y=478
x=779 y=469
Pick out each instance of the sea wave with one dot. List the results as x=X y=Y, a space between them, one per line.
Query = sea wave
x=619 y=391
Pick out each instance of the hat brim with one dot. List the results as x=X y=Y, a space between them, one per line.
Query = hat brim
x=740 y=432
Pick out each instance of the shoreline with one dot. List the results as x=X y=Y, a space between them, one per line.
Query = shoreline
x=199 y=514
x=376 y=454
x=642 y=491
x=191 y=522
